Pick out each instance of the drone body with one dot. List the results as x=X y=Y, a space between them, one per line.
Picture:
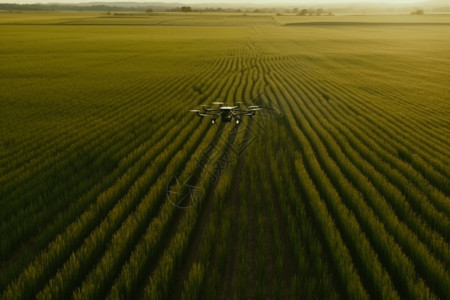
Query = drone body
x=226 y=113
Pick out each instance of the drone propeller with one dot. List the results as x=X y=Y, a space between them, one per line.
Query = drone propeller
x=219 y=103
x=198 y=112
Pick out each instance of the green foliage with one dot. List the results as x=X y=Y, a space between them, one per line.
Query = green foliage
x=194 y=282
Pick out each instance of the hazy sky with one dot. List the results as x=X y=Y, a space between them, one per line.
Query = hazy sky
x=299 y=2
x=296 y=1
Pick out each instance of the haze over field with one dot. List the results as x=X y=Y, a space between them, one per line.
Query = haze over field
x=263 y=2
x=331 y=6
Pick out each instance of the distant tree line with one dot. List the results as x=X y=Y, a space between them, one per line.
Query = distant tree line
x=172 y=8
x=206 y=9
x=56 y=7
x=110 y=8
x=68 y=7
x=312 y=12
x=149 y=9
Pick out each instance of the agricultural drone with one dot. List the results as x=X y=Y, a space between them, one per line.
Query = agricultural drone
x=226 y=113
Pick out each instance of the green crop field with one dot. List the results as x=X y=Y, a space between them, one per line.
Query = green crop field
x=339 y=188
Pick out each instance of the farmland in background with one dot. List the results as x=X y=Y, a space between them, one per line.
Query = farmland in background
x=111 y=188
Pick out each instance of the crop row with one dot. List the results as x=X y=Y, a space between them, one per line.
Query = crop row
x=304 y=121
x=375 y=160
x=332 y=199
x=30 y=213
x=119 y=185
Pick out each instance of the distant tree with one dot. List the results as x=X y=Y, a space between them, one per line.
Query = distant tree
x=417 y=12
x=186 y=9
x=303 y=12
x=319 y=11
x=149 y=10
x=295 y=10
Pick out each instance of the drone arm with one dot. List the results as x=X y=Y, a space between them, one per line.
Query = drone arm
x=211 y=110
x=244 y=113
